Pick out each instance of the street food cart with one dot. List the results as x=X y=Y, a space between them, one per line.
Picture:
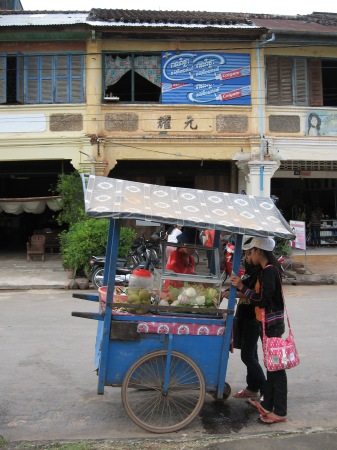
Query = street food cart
x=167 y=358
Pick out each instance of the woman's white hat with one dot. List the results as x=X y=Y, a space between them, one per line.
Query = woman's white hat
x=266 y=244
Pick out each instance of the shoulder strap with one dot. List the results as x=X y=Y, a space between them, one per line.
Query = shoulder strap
x=284 y=303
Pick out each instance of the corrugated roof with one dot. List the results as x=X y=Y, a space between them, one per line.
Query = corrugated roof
x=42 y=19
x=291 y=25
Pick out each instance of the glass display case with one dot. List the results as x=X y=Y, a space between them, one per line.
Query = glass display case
x=197 y=289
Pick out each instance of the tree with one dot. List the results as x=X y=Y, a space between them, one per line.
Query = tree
x=70 y=188
x=85 y=236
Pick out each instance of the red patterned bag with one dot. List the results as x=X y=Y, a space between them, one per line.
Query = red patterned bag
x=279 y=353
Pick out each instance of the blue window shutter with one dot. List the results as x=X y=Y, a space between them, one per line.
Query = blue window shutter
x=46 y=79
x=32 y=71
x=76 y=78
x=62 y=79
x=20 y=78
x=3 y=78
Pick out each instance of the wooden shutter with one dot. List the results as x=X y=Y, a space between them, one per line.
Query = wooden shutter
x=279 y=80
x=286 y=83
x=300 y=82
x=3 y=78
x=315 y=82
x=46 y=79
x=272 y=76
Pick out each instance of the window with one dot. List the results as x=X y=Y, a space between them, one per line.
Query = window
x=41 y=78
x=301 y=81
x=133 y=77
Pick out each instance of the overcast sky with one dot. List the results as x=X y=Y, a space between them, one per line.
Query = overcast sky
x=284 y=7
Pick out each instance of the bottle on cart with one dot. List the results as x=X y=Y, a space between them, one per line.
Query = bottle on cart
x=140 y=287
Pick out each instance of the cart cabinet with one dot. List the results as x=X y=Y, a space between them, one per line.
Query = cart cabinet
x=168 y=356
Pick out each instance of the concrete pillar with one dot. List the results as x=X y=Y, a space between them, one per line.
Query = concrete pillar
x=260 y=174
x=255 y=176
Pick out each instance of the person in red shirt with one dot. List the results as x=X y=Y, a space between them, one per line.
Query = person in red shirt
x=209 y=242
x=181 y=260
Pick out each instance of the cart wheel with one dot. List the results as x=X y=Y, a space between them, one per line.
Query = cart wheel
x=149 y=406
x=226 y=393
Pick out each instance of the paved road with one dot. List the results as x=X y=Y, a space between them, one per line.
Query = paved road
x=48 y=383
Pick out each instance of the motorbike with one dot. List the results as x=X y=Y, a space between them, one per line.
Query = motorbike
x=148 y=253
x=144 y=254
x=96 y=274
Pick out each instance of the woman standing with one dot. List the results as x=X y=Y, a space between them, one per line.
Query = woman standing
x=249 y=332
x=268 y=295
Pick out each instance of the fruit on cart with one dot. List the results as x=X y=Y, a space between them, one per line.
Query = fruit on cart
x=200 y=300
x=134 y=298
x=190 y=292
x=196 y=295
x=145 y=296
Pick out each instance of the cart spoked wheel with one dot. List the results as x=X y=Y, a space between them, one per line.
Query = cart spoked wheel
x=163 y=404
x=226 y=393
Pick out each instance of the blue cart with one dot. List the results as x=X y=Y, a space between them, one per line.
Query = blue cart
x=166 y=364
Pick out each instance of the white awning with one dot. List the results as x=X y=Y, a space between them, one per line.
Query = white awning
x=34 y=205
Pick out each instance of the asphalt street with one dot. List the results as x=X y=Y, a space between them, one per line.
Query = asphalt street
x=48 y=383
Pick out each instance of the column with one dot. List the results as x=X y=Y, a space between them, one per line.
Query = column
x=260 y=175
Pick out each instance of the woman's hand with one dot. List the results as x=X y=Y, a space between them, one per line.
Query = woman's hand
x=236 y=281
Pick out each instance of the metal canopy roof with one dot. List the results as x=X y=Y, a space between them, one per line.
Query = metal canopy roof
x=234 y=213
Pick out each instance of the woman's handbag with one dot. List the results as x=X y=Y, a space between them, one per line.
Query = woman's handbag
x=279 y=353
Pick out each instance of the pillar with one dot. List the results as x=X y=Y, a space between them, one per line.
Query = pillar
x=255 y=176
x=260 y=175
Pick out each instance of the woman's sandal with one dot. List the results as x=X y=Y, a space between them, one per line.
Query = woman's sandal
x=271 y=418
x=244 y=393
x=258 y=407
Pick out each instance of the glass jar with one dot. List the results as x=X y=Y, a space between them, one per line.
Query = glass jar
x=140 y=287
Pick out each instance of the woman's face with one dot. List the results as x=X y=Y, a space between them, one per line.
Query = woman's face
x=255 y=255
x=248 y=256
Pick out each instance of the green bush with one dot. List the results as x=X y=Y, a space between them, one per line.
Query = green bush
x=87 y=238
x=283 y=248
x=70 y=187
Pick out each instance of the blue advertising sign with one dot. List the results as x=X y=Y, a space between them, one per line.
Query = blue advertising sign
x=206 y=78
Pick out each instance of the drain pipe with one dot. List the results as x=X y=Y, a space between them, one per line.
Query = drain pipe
x=258 y=54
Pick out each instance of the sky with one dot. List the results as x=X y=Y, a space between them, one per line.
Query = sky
x=285 y=7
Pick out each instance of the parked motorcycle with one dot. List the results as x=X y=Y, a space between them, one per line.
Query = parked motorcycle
x=144 y=254
x=96 y=274
x=148 y=253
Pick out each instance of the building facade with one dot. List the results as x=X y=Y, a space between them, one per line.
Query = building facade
x=229 y=102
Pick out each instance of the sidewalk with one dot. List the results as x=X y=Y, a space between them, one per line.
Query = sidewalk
x=18 y=273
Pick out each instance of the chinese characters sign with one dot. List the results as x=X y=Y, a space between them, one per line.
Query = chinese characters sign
x=206 y=78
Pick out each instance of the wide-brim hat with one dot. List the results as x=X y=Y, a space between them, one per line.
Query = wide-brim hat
x=267 y=244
